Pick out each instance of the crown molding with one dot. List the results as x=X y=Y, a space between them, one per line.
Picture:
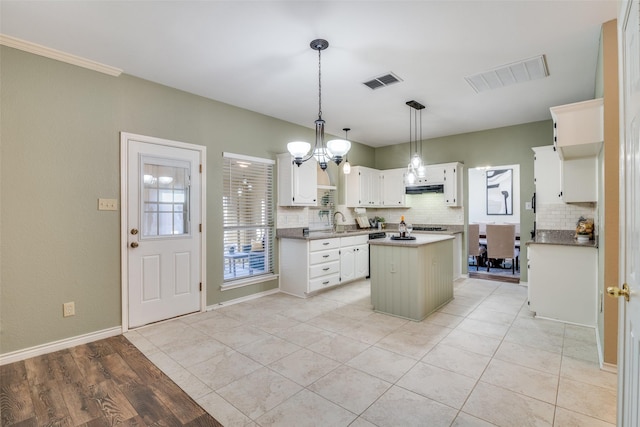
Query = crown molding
x=58 y=55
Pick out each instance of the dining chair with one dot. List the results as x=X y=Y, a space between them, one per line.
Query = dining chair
x=473 y=243
x=501 y=244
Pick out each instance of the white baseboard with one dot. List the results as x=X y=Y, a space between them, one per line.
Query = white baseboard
x=243 y=299
x=16 y=356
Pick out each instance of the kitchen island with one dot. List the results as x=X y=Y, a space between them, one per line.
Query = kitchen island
x=411 y=278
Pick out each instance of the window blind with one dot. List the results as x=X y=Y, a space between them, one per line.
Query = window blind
x=248 y=216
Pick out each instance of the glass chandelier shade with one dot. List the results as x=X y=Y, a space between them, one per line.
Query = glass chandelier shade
x=298 y=148
x=334 y=150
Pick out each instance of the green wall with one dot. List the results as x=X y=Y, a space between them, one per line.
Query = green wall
x=60 y=152
x=494 y=147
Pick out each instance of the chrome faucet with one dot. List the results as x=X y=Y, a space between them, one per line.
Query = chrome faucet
x=335 y=225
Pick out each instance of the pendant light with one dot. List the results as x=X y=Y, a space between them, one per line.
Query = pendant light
x=336 y=149
x=346 y=168
x=415 y=168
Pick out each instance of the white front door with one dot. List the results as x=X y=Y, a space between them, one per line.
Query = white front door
x=161 y=229
x=629 y=319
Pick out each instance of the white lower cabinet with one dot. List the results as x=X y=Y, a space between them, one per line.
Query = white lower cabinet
x=308 y=266
x=563 y=283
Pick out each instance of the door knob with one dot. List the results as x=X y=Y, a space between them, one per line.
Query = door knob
x=616 y=292
x=134 y=231
x=134 y=244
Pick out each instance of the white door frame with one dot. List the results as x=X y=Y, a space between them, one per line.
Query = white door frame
x=124 y=232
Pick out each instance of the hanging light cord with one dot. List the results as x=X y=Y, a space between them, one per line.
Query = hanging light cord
x=319 y=84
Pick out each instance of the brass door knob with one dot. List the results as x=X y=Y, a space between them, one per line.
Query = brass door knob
x=616 y=292
x=134 y=244
x=134 y=231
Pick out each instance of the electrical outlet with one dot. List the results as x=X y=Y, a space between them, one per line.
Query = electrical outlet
x=68 y=309
x=107 y=204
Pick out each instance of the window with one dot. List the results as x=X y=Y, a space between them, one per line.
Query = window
x=248 y=218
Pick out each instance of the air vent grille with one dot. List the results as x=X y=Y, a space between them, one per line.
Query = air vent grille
x=518 y=72
x=382 y=81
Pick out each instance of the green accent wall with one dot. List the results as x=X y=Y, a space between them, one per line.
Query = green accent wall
x=60 y=152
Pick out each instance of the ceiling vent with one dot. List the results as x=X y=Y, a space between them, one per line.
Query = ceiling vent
x=518 y=72
x=382 y=81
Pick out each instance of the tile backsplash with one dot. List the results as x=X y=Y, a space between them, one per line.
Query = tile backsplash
x=561 y=216
x=426 y=208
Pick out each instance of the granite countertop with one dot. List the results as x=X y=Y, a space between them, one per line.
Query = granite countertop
x=296 y=233
x=421 y=239
x=560 y=237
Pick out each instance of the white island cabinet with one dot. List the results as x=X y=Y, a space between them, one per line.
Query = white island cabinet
x=411 y=279
x=309 y=265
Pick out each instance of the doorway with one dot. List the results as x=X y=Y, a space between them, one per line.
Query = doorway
x=162 y=250
x=494 y=198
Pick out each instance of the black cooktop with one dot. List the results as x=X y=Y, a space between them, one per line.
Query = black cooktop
x=420 y=228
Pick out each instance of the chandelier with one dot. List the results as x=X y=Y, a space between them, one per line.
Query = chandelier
x=415 y=168
x=335 y=149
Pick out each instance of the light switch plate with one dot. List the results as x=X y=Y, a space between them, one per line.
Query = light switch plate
x=527 y=205
x=107 y=204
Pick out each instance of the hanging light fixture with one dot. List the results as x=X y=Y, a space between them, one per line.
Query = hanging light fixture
x=415 y=168
x=346 y=168
x=335 y=149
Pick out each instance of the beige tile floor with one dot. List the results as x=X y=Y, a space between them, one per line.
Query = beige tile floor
x=329 y=360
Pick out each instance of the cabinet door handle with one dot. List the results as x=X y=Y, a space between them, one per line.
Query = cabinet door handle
x=325 y=283
x=325 y=269
x=325 y=243
x=325 y=256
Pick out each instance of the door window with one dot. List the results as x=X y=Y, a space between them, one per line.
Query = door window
x=165 y=200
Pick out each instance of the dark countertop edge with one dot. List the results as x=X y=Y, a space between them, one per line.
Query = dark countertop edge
x=296 y=233
x=561 y=238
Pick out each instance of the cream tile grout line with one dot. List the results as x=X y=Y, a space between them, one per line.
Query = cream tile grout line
x=475 y=306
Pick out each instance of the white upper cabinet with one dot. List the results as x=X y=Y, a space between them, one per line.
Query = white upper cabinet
x=578 y=129
x=297 y=185
x=393 y=194
x=367 y=187
x=453 y=179
x=546 y=175
x=578 y=135
x=362 y=187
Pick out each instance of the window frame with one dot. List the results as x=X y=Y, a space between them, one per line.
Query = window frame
x=245 y=235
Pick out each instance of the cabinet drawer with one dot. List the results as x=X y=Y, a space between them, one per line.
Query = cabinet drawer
x=323 y=282
x=324 y=256
x=324 y=269
x=324 y=244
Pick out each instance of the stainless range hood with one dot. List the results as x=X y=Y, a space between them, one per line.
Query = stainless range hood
x=423 y=188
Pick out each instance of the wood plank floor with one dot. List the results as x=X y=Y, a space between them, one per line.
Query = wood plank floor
x=104 y=383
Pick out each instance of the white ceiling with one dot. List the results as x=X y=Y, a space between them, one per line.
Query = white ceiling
x=256 y=55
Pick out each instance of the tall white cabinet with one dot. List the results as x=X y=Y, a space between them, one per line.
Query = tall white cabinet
x=297 y=185
x=546 y=175
x=453 y=180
